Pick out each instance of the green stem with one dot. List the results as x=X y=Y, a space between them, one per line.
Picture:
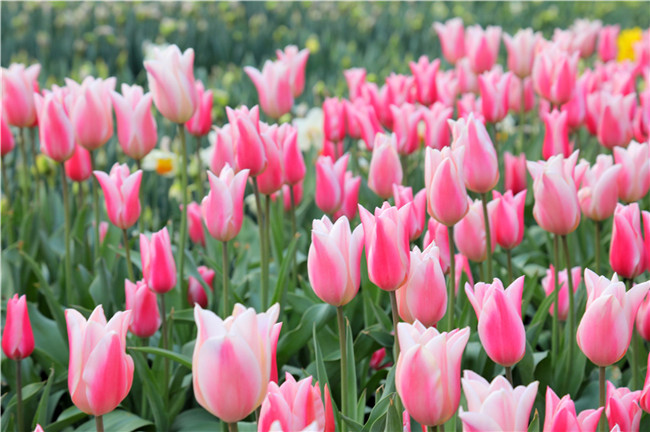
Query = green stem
x=555 y=335
x=294 y=231
x=481 y=272
x=451 y=306
x=572 y=316
x=37 y=174
x=636 y=350
x=232 y=427
x=395 y=313
x=19 y=396
x=488 y=239
x=201 y=190
x=509 y=374
x=597 y=224
x=509 y=260
x=25 y=173
x=522 y=121
x=8 y=222
x=129 y=264
x=602 y=426
x=183 y=234
x=138 y=164
x=225 y=267
x=95 y=188
x=66 y=214
x=263 y=251
x=344 y=361
x=163 y=312
x=99 y=423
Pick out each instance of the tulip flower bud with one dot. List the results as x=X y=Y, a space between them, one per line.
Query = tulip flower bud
x=548 y=283
x=91 y=111
x=296 y=62
x=436 y=127
x=480 y=162
x=445 y=185
x=554 y=74
x=272 y=178
x=223 y=207
x=452 y=39
x=18 y=87
x=482 y=47
x=273 y=87
x=79 y=167
x=143 y=304
x=607 y=46
x=599 y=192
x=350 y=197
x=330 y=183
x=556 y=135
x=158 y=265
x=355 y=78
x=136 y=127
x=494 y=86
x=195 y=291
x=627 y=251
x=634 y=177
x=406 y=120
x=201 y=121
x=521 y=51
x=292 y=158
x=469 y=233
x=122 y=194
x=195 y=223
x=17 y=336
x=249 y=148
x=515 y=97
x=223 y=148
x=54 y=128
x=404 y=195
x=333 y=119
x=506 y=213
x=385 y=166
x=515 y=172
x=425 y=79
x=437 y=234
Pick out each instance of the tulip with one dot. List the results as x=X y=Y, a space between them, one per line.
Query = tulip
x=556 y=136
x=54 y=128
x=78 y=168
x=521 y=51
x=195 y=292
x=469 y=233
x=599 y=192
x=195 y=223
x=452 y=39
x=626 y=253
x=272 y=178
x=466 y=77
x=427 y=375
x=584 y=34
x=436 y=127
x=224 y=148
x=642 y=118
x=171 y=80
x=425 y=79
x=605 y=330
x=273 y=87
x=91 y=111
x=100 y=373
x=385 y=166
x=18 y=87
x=643 y=319
x=297 y=192
x=296 y=406
x=515 y=172
x=607 y=48
x=296 y=62
x=330 y=182
x=445 y=185
x=199 y=124
x=423 y=296
x=623 y=408
x=355 y=78
x=7 y=143
x=482 y=47
x=614 y=121
x=644 y=398
x=496 y=406
x=500 y=327
x=468 y=104
x=447 y=87
x=17 y=336
x=462 y=266
x=406 y=120
x=237 y=353
x=404 y=195
x=634 y=177
x=377 y=360
x=646 y=235
x=158 y=266
x=122 y=193
x=249 y=148
x=548 y=283
x=561 y=415
x=365 y=117
x=142 y=302
x=350 y=202
x=554 y=74
x=506 y=214
x=437 y=234
x=223 y=207
x=576 y=107
x=494 y=86
x=399 y=89
x=515 y=96
x=333 y=119
x=137 y=132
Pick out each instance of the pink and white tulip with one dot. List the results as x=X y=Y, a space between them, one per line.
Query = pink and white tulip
x=122 y=194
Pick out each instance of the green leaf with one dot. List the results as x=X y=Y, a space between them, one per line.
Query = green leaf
x=174 y=356
x=284 y=270
x=534 y=424
x=313 y=318
x=40 y=417
x=118 y=420
x=378 y=412
x=351 y=377
x=393 y=416
x=68 y=417
x=195 y=419
x=150 y=389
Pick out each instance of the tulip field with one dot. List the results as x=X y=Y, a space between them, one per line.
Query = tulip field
x=325 y=217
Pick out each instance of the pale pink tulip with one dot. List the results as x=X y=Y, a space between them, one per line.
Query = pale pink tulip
x=224 y=148
x=333 y=119
x=195 y=292
x=576 y=107
x=201 y=121
x=350 y=203
x=223 y=207
x=452 y=39
x=330 y=183
x=643 y=319
x=468 y=104
x=548 y=283
x=122 y=194
x=607 y=47
x=515 y=97
x=79 y=167
x=355 y=78
x=437 y=234
x=634 y=177
x=447 y=87
x=425 y=79
x=143 y=304
x=482 y=47
x=614 y=121
x=55 y=129
x=296 y=61
x=469 y=233
x=18 y=87
x=555 y=73
x=91 y=111
x=515 y=172
x=561 y=415
x=136 y=127
x=480 y=162
x=406 y=120
x=404 y=195
x=195 y=223
x=521 y=51
x=556 y=136
x=584 y=33
x=273 y=87
x=494 y=86
x=466 y=78
x=622 y=408
x=599 y=192
x=385 y=166
x=642 y=117
x=249 y=148
x=436 y=127
x=272 y=178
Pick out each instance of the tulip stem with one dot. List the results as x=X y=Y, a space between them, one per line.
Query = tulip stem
x=7 y=189
x=163 y=312
x=597 y=224
x=294 y=231
x=66 y=224
x=509 y=259
x=522 y=119
x=395 y=313
x=488 y=240
x=37 y=174
x=263 y=251
x=95 y=183
x=452 y=280
x=344 y=361
x=99 y=423
x=602 y=427
x=572 y=317
x=232 y=427
x=509 y=374
x=19 y=396
x=199 y=164
x=129 y=264
x=634 y=349
x=183 y=234
x=555 y=335
x=225 y=267
x=25 y=174
x=138 y=164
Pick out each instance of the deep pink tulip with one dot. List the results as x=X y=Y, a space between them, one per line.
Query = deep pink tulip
x=437 y=234
x=607 y=45
x=447 y=87
x=237 y=353
x=91 y=111
x=143 y=304
x=330 y=182
x=333 y=119
x=515 y=96
x=249 y=147
x=452 y=39
x=615 y=118
x=17 y=336
x=521 y=51
x=355 y=78
x=555 y=73
x=201 y=121
x=494 y=86
x=223 y=207
x=445 y=185
x=100 y=373
x=515 y=172
x=436 y=127
x=561 y=415
x=599 y=192
x=195 y=223
x=404 y=195
x=334 y=260
x=170 y=75
x=122 y=194
x=195 y=292
x=273 y=87
x=18 y=87
x=364 y=116
x=136 y=127
x=7 y=142
x=643 y=319
x=506 y=213
x=55 y=129
x=496 y=406
x=387 y=245
x=634 y=178
x=627 y=251
x=350 y=203
x=272 y=178
x=425 y=79
x=296 y=61
x=469 y=233
x=224 y=148
x=79 y=167
x=482 y=47
x=622 y=408
x=427 y=375
x=406 y=120
x=500 y=327
x=644 y=398
x=377 y=360
x=158 y=265
x=548 y=283
x=378 y=98
x=423 y=296
x=556 y=135
x=385 y=166
x=605 y=330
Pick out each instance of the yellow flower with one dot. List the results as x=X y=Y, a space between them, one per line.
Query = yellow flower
x=162 y=161
x=625 y=42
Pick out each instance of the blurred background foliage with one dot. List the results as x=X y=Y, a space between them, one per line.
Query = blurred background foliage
x=86 y=38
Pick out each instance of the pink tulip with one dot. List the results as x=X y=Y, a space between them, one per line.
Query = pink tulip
x=387 y=245
x=554 y=74
x=400 y=89
x=482 y=47
x=548 y=283
x=622 y=408
x=350 y=202
x=330 y=181
x=100 y=373
x=364 y=116
x=556 y=136
x=506 y=213
x=38 y=428
x=634 y=178
x=249 y=147
x=469 y=233
x=332 y=149
x=452 y=39
x=404 y=195
x=195 y=223
x=18 y=87
x=273 y=87
x=54 y=128
x=223 y=207
x=296 y=190
x=437 y=234
x=468 y=104
x=158 y=265
x=462 y=266
x=645 y=215
x=615 y=118
x=561 y=415
x=642 y=117
x=500 y=328
x=143 y=304
x=627 y=251
x=605 y=330
x=447 y=87
x=556 y=207
x=466 y=78
x=355 y=78
x=576 y=107
x=78 y=168
x=296 y=61
x=607 y=47
x=644 y=398
x=425 y=79
x=423 y=296
x=224 y=148
x=643 y=319
x=237 y=353
x=427 y=375
x=445 y=185
x=7 y=143
x=496 y=406
x=201 y=121
x=406 y=120
x=195 y=292
x=122 y=194
x=385 y=166
x=334 y=260
x=599 y=192
x=436 y=127
x=494 y=86
x=91 y=111
x=377 y=360
x=17 y=336
x=515 y=94
x=171 y=80
x=521 y=51
x=333 y=119
x=136 y=127
x=272 y=178
x=293 y=162
x=515 y=172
